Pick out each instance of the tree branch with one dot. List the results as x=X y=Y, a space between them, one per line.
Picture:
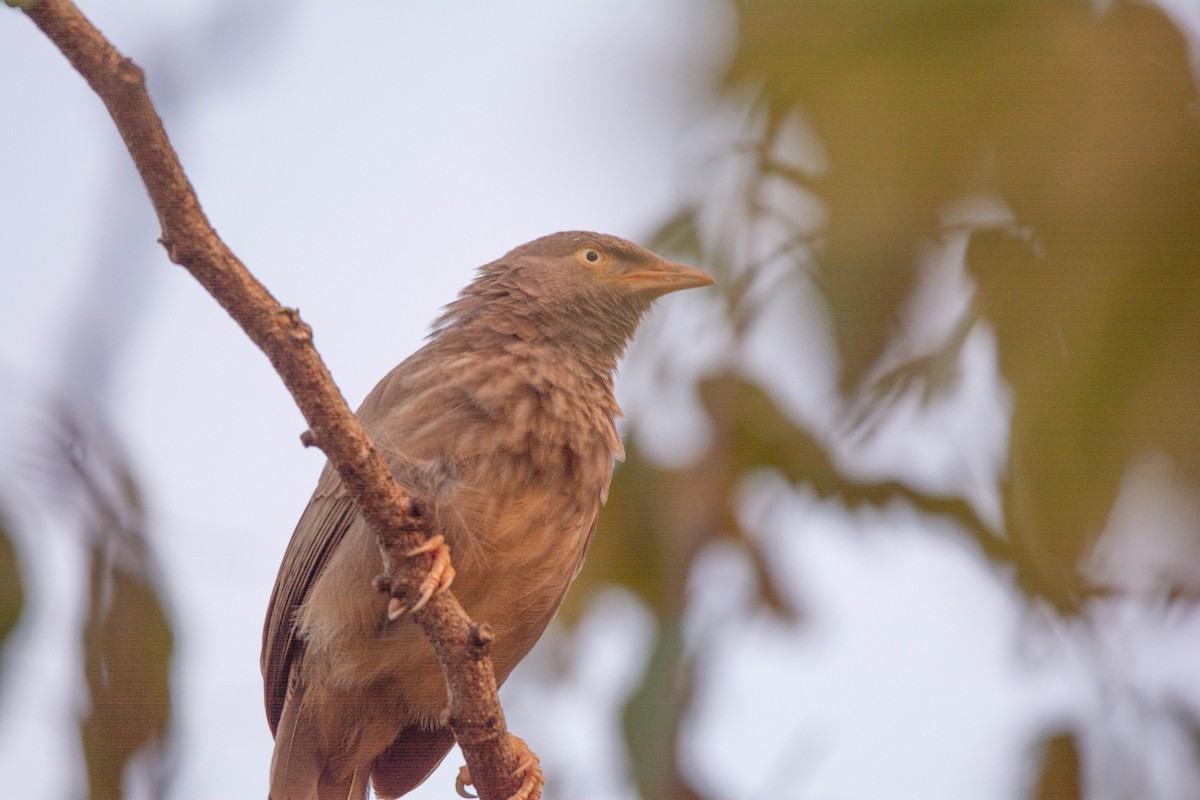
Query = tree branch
x=474 y=712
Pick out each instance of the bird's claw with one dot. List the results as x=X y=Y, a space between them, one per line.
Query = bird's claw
x=530 y=767
x=437 y=580
x=427 y=546
x=462 y=782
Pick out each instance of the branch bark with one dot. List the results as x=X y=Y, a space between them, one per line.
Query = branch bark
x=474 y=712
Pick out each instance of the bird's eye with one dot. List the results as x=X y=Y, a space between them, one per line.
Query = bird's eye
x=591 y=257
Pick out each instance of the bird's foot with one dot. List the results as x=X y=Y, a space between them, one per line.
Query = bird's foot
x=437 y=580
x=531 y=768
x=462 y=782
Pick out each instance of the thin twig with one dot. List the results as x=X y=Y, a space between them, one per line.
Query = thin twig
x=474 y=711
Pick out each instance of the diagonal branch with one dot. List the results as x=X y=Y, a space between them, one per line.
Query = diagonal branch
x=461 y=646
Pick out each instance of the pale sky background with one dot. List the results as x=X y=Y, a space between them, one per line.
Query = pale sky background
x=362 y=159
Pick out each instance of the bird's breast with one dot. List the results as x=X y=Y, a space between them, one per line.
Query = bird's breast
x=528 y=455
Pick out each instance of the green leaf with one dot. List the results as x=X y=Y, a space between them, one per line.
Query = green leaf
x=127 y=644
x=1060 y=770
x=12 y=589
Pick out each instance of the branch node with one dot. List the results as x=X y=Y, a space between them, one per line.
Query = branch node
x=308 y=439
x=481 y=635
x=130 y=73
x=297 y=328
x=169 y=245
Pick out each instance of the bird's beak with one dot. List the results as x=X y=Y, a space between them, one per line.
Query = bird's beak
x=662 y=277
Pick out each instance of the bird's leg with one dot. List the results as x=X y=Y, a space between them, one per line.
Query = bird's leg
x=437 y=580
x=531 y=768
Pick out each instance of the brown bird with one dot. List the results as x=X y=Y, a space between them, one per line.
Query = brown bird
x=503 y=426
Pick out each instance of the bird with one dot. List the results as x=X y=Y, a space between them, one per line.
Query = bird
x=503 y=427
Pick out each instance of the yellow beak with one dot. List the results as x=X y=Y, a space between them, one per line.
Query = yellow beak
x=663 y=277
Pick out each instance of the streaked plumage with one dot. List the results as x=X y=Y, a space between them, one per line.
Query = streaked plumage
x=503 y=424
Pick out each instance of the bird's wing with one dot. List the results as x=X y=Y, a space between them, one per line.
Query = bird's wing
x=319 y=531
x=331 y=512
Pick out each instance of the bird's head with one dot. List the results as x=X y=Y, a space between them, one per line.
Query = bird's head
x=578 y=264
x=585 y=291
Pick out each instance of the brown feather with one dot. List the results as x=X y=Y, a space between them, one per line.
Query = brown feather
x=324 y=523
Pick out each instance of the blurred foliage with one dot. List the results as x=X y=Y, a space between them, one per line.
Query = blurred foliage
x=1060 y=777
x=12 y=589
x=127 y=653
x=1082 y=124
x=673 y=515
x=127 y=639
x=1085 y=125
x=69 y=475
x=653 y=717
x=676 y=513
x=83 y=475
